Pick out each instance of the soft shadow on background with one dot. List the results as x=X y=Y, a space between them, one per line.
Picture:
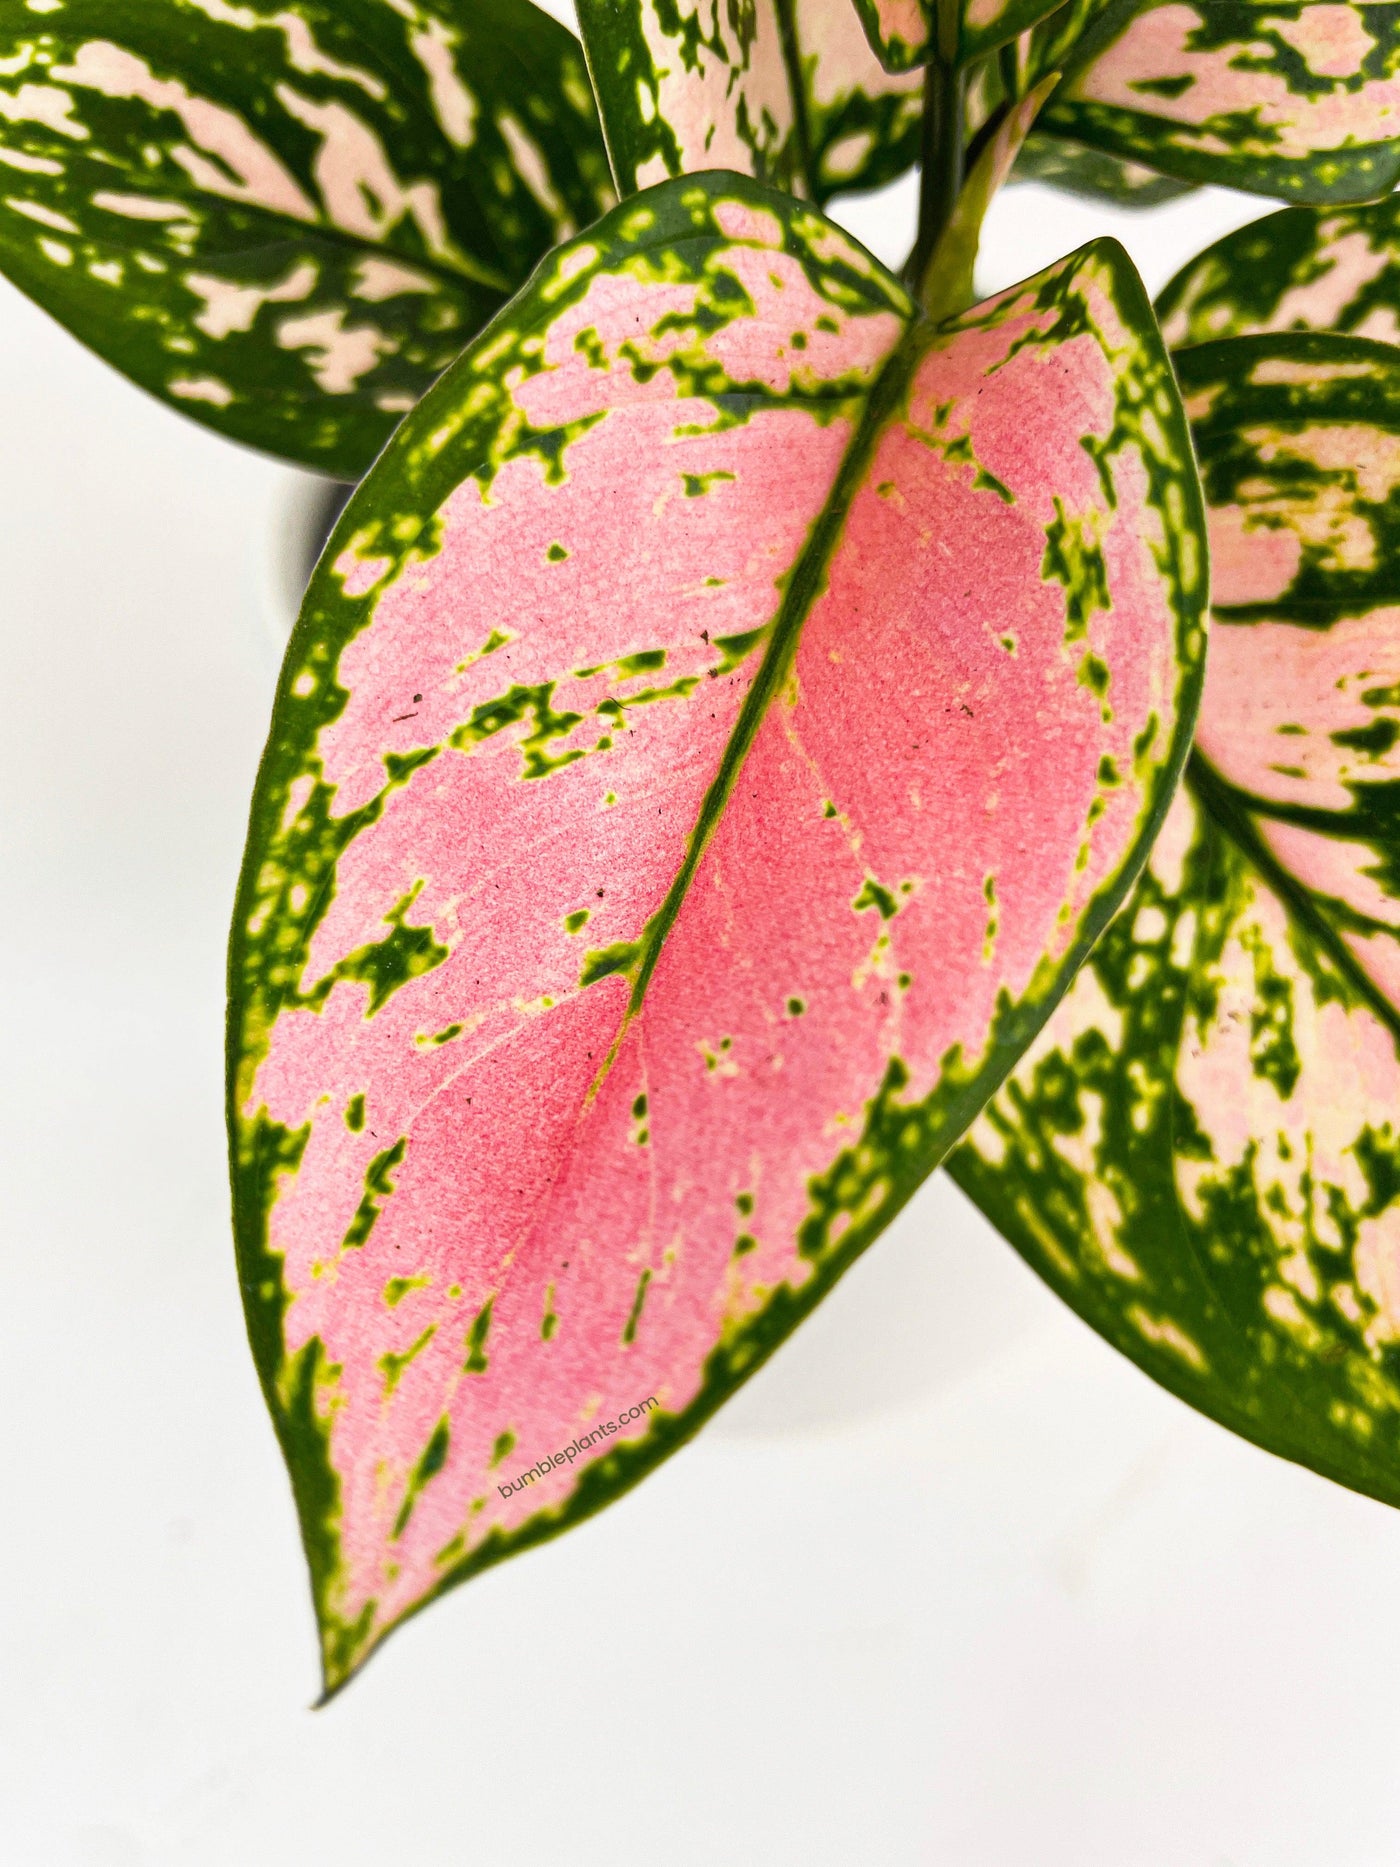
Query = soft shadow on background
x=949 y=1585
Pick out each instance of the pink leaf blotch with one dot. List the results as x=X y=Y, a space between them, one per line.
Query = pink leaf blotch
x=718 y=729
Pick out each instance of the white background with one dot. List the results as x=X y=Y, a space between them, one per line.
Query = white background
x=948 y=1584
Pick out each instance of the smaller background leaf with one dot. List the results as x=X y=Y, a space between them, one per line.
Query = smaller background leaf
x=795 y=98
x=1201 y=1153
x=695 y=85
x=1316 y=269
x=1295 y=100
x=863 y=123
x=902 y=33
x=287 y=222
x=1093 y=173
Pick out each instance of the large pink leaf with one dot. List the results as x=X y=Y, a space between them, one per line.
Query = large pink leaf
x=695 y=778
x=1201 y=1151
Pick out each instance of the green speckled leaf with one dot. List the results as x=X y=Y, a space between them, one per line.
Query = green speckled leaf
x=861 y=123
x=287 y=220
x=903 y=33
x=1093 y=173
x=785 y=90
x=1316 y=269
x=1297 y=100
x=1201 y=1153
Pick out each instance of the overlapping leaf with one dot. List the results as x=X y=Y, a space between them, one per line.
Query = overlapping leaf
x=1296 y=100
x=861 y=123
x=287 y=219
x=1093 y=173
x=720 y=724
x=1202 y=1151
x=946 y=286
x=1333 y=269
x=784 y=90
x=1056 y=159
x=906 y=33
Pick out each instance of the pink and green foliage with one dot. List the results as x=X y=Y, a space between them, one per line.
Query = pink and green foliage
x=714 y=736
x=1301 y=100
x=286 y=222
x=1300 y=270
x=728 y=722
x=861 y=123
x=787 y=91
x=906 y=33
x=1202 y=1150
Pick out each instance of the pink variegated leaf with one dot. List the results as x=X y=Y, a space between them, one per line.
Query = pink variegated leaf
x=862 y=123
x=718 y=729
x=901 y=32
x=1201 y=1152
x=787 y=90
x=1299 y=99
x=696 y=85
x=907 y=33
x=1308 y=269
x=285 y=218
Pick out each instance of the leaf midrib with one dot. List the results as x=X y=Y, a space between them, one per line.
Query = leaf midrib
x=804 y=585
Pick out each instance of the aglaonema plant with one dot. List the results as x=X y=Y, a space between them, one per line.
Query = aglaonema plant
x=730 y=758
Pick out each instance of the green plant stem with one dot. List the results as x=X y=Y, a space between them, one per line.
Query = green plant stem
x=1013 y=60
x=941 y=174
